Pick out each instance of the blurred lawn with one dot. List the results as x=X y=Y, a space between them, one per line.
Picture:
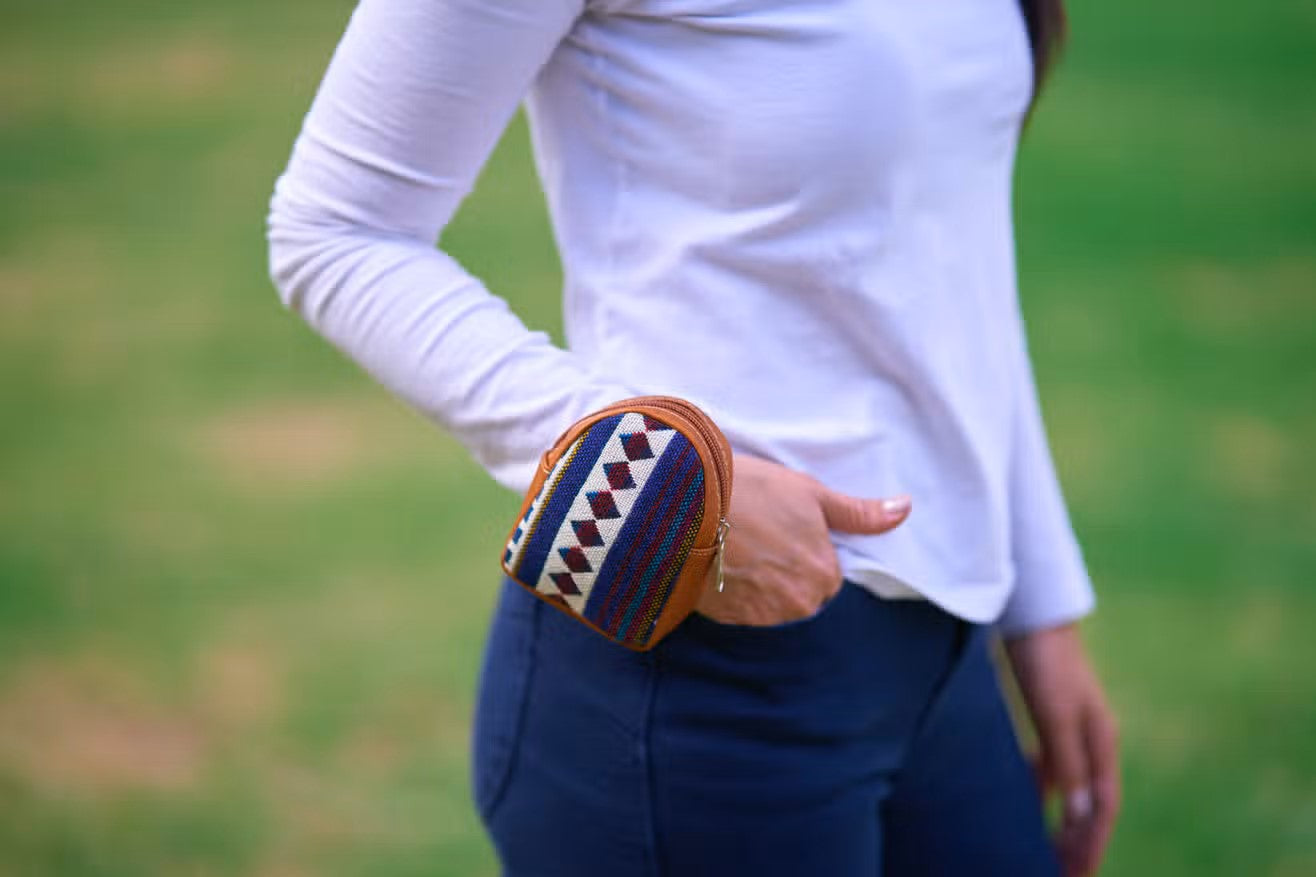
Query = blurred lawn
x=243 y=592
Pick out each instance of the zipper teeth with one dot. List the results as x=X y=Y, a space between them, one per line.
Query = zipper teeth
x=696 y=419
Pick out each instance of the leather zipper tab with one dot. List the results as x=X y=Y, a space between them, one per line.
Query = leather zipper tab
x=722 y=527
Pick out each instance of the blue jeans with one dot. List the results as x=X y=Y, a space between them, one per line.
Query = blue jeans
x=869 y=739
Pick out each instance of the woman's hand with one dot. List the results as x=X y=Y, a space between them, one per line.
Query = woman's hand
x=1076 y=729
x=779 y=564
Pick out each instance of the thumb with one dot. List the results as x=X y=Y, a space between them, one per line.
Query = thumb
x=851 y=514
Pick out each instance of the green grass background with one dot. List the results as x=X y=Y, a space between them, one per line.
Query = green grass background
x=243 y=591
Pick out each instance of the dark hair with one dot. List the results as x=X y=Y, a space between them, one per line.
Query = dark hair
x=1047 y=28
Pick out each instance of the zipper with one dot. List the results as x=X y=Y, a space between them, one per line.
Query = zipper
x=722 y=527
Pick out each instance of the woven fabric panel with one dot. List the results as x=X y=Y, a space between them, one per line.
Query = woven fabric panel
x=613 y=523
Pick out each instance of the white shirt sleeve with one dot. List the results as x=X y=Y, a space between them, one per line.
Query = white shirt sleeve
x=1052 y=586
x=411 y=106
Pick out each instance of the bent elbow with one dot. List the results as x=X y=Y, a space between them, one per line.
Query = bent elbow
x=311 y=249
x=292 y=239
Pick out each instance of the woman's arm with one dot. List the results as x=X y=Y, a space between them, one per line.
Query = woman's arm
x=412 y=104
x=1076 y=728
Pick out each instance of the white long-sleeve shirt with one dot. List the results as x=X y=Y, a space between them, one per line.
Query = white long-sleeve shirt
x=795 y=213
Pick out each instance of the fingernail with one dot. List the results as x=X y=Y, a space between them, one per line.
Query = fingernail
x=1079 y=804
x=895 y=506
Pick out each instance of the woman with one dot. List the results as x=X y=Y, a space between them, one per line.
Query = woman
x=795 y=213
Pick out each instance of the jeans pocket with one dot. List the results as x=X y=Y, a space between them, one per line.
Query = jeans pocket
x=799 y=630
x=500 y=702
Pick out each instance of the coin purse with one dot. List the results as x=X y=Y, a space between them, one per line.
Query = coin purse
x=626 y=519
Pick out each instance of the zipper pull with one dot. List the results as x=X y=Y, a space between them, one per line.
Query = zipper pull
x=722 y=528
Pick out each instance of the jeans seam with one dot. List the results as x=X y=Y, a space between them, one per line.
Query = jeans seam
x=518 y=726
x=654 y=851
x=963 y=641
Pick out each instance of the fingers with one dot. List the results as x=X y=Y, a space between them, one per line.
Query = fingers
x=1083 y=758
x=1066 y=763
x=1076 y=729
x=1103 y=756
x=851 y=514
